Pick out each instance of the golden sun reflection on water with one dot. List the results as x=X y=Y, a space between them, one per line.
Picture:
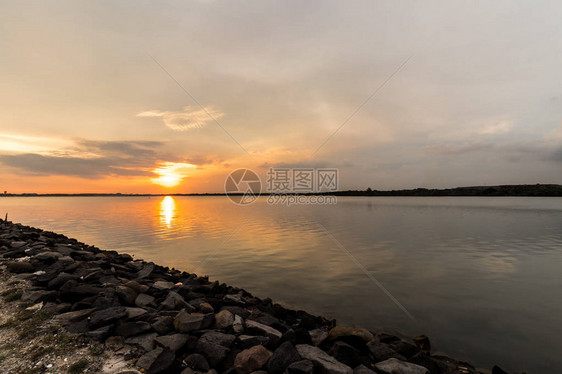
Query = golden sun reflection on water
x=167 y=211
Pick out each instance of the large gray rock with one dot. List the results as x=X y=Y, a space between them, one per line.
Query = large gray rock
x=145 y=341
x=163 y=285
x=264 y=330
x=126 y=295
x=223 y=320
x=107 y=316
x=175 y=302
x=328 y=364
x=381 y=351
x=215 y=346
x=395 y=366
x=163 y=324
x=318 y=336
x=172 y=342
x=156 y=361
x=283 y=356
x=238 y=324
x=144 y=300
x=185 y=322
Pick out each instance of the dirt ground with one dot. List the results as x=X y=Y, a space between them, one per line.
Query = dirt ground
x=32 y=342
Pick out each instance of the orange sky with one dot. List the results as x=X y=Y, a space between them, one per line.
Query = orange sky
x=159 y=98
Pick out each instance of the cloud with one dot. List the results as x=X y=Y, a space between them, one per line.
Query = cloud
x=37 y=164
x=89 y=159
x=96 y=159
x=455 y=149
x=501 y=127
x=185 y=120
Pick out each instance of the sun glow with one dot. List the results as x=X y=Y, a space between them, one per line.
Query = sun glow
x=172 y=173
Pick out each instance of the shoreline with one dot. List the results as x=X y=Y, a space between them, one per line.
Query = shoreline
x=519 y=190
x=153 y=319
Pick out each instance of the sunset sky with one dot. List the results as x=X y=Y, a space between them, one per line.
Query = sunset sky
x=89 y=99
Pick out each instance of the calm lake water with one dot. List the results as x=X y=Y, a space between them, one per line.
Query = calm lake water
x=481 y=276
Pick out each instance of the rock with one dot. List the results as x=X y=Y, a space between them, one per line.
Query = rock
x=451 y=366
x=215 y=346
x=172 y=342
x=362 y=369
x=317 y=336
x=206 y=308
x=144 y=300
x=137 y=287
x=145 y=341
x=163 y=285
x=236 y=310
x=261 y=329
x=187 y=371
x=403 y=348
x=345 y=353
x=163 y=324
x=73 y=317
x=132 y=328
x=47 y=257
x=38 y=296
x=342 y=331
x=251 y=359
x=61 y=279
x=223 y=320
x=422 y=342
x=185 y=322
x=283 y=356
x=215 y=337
x=328 y=364
x=126 y=295
x=175 y=302
x=247 y=341
x=135 y=312
x=301 y=367
x=54 y=308
x=146 y=271
x=238 y=324
x=429 y=363
x=72 y=290
x=236 y=299
x=395 y=366
x=382 y=351
x=99 y=334
x=197 y=362
x=106 y=316
x=20 y=267
x=156 y=361
x=498 y=370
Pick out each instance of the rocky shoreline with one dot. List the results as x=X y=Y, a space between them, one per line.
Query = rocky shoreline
x=161 y=320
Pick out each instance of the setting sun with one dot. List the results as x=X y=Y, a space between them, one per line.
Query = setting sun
x=171 y=173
